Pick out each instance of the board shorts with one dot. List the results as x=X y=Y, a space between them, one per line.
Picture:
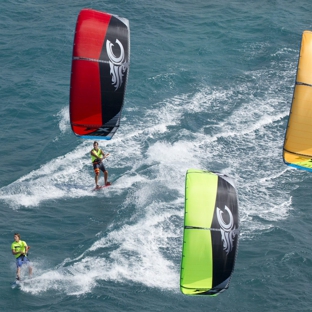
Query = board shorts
x=22 y=260
x=97 y=166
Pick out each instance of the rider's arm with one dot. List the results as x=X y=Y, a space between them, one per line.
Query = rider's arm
x=17 y=252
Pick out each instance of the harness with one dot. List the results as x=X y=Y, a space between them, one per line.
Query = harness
x=22 y=257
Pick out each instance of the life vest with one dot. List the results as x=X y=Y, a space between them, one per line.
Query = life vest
x=19 y=246
x=98 y=153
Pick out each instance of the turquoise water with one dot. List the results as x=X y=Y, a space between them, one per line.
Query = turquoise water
x=210 y=87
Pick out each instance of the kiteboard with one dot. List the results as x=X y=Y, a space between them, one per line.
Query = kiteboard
x=101 y=187
x=16 y=284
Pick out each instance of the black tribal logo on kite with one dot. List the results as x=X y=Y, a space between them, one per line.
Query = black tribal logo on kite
x=228 y=231
x=117 y=65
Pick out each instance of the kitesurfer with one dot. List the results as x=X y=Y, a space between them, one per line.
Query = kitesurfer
x=97 y=157
x=19 y=250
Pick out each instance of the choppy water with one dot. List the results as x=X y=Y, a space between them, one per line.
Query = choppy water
x=210 y=87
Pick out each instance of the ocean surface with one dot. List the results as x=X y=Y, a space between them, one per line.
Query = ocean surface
x=210 y=87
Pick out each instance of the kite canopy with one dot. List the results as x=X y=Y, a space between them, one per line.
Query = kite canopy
x=297 y=151
x=100 y=65
x=210 y=239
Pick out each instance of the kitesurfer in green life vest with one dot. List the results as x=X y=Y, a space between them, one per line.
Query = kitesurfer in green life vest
x=97 y=156
x=19 y=250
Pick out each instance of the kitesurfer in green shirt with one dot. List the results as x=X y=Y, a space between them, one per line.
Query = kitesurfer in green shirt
x=19 y=250
x=97 y=157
